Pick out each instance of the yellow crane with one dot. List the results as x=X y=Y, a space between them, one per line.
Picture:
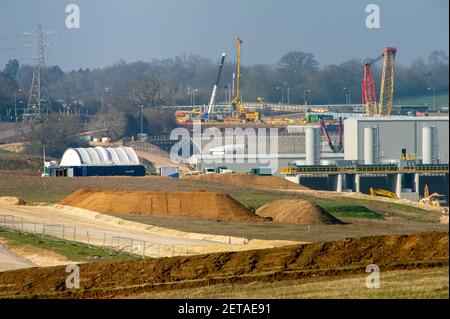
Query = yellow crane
x=387 y=82
x=237 y=102
x=385 y=105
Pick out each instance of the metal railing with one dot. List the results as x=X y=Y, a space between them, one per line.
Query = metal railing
x=147 y=147
x=438 y=168
x=106 y=240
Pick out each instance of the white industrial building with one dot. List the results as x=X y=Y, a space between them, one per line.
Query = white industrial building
x=378 y=140
x=99 y=156
x=98 y=161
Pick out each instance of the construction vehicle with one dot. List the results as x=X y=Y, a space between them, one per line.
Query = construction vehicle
x=210 y=116
x=236 y=103
x=314 y=118
x=382 y=192
x=192 y=172
x=387 y=85
x=434 y=199
x=335 y=148
x=407 y=156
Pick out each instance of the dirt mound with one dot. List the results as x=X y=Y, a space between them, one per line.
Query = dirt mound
x=343 y=257
x=11 y=200
x=296 y=211
x=209 y=205
x=13 y=147
x=248 y=180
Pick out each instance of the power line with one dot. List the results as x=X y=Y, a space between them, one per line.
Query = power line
x=10 y=36
x=38 y=105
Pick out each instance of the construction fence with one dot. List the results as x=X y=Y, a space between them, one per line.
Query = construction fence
x=106 y=240
x=147 y=147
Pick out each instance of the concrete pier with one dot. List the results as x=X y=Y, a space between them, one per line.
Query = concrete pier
x=405 y=185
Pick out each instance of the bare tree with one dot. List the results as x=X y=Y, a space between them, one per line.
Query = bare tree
x=149 y=91
x=113 y=121
x=58 y=133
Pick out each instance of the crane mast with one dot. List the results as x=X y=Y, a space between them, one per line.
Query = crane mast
x=387 y=82
x=213 y=95
x=237 y=98
x=387 y=85
x=368 y=89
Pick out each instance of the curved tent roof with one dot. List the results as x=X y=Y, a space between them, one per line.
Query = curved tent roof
x=99 y=156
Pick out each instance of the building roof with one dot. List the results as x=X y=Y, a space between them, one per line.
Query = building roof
x=399 y=118
x=99 y=156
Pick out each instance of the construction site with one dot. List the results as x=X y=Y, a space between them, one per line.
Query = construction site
x=241 y=199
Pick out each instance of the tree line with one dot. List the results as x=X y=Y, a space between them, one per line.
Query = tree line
x=114 y=96
x=180 y=80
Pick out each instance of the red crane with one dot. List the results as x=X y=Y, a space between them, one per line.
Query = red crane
x=335 y=148
x=387 y=84
x=369 y=97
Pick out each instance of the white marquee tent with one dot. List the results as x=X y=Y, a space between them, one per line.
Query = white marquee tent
x=99 y=156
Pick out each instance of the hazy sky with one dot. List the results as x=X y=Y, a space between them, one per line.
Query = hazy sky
x=334 y=31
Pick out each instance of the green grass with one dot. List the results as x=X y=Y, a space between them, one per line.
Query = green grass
x=254 y=200
x=341 y=208
x=51 y=190
x=398 y=284
x=72 y=250
x=348 y=211
x=422 y=100
x=13 y=161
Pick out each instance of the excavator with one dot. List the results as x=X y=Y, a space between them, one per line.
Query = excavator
x=335 y=148
x=236 y=103
x=434 y=199
x=382 y=192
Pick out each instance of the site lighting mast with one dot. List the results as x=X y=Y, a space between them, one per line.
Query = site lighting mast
x=142 y=119
x=282 y=94
x=347 y=95
x=304 y=96
x=288 y=95
x=434 y=96
x=15 y=104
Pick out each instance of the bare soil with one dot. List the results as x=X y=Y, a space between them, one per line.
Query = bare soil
x=12 y=200
x=343 y=257
x=209 y=205
x=353 y=228
x=248 y=180
x=38 y=256
x=13 y=147
x=296 y=211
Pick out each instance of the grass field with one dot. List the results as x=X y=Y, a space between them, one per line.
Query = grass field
x=420 y=283
x=364 y=217
x=72 y=250
x=441 y=99
x=349 y=211
x=355 y=227
x=51 y=190
x=410 y=266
